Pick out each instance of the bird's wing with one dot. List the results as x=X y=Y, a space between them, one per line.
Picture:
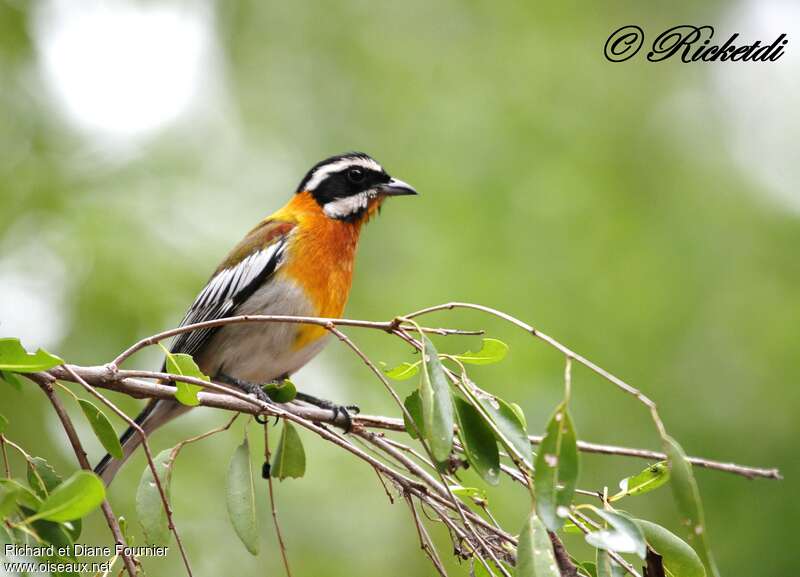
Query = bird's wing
x=246 y=268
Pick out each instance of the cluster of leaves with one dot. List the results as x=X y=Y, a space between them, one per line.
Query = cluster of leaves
x=44 y=507
x=287 y=461
x=456 y=422
x=49 y=510
x=447 y=400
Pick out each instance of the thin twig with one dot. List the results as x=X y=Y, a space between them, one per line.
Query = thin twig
x=149 y=456
x=77 y=447
x=565 y=565
x=459 y=508
x=384 y=485
x=274 y=508
x=557 y=345
x=579 y=519
x=425 y=542
x=103 y=378
x=442 y=493
x=743 y=470
x=32 y=468
x=749 y=472
x=221 y=429
x=6 y=464
x=472 y=535
x=387 y=326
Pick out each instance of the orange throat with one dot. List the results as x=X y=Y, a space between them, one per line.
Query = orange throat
x=321 y=258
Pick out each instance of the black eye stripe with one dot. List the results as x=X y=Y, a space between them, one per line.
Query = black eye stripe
x=343 y=176
x=356 y=174
x=341 y=162
x=364 y=176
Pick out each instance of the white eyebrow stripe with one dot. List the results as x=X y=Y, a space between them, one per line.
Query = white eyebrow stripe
x=324 y=171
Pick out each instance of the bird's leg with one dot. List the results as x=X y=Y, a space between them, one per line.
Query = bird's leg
x=258 y=391
x=343 y=410
x=246 y=386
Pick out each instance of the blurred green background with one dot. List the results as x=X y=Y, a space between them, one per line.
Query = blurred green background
x=646 y=215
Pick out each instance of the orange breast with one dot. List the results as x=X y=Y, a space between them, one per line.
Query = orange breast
x=320 y=259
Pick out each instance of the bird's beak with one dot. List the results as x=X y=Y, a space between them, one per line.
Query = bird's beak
x=396 y=187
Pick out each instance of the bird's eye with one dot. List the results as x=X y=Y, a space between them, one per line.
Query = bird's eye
x=355 y=175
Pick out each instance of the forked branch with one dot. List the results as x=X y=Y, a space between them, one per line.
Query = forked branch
x=425 y=485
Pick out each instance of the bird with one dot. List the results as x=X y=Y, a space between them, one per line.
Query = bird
x=298 y=261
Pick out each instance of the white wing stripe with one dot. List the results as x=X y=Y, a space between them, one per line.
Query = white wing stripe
x=228 y=282
x=237 y=276
x=218 y=298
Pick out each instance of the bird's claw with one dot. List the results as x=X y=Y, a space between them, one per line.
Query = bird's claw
x=345 y=413
x=343 y=410
x=259 y=393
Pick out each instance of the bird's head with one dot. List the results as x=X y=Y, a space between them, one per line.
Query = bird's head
x=351 y=186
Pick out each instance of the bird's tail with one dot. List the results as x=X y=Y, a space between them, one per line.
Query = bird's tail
x=156 y=413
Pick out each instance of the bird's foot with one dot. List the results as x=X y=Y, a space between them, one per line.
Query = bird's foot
x=337 y=410
x=250 y=388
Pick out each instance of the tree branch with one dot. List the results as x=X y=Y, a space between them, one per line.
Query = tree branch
x=150 y=462
x=105 y=378
x=475 y=534
x=80 y=453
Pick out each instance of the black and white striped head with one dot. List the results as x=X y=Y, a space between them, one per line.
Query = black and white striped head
x=346 y=186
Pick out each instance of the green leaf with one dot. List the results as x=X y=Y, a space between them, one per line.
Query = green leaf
x=102 y=428
x=478 y=440
x=123 y=527
x=556 y=469
x=76 y=497
x=413 y=405
x=3 y=424
x=5 y=535
x=651 y=478
x=14 y=358
x=42 y=477
x=606 y=567
x=492 y=351
x=24 y=496
x=11 y=379
x=8 y=499
x=402 y=371
x=437 y=404
x=520 y=415
x=282 y=392
x=471 y=492
x=571 y=528
x=535 y=556
x=624 y=535
x=687 y=496
x=73 y=528
x=679 y=559
x=149 y=506
x=43 y=481
x=241 y=497
x=588 y=568
x=183 y=365
x=512 y=427
x=289 y=459
x=51 y=532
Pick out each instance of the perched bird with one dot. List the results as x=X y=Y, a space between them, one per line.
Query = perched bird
x=298 y=261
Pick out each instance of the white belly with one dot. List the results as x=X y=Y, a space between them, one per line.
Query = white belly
x=262 y=352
